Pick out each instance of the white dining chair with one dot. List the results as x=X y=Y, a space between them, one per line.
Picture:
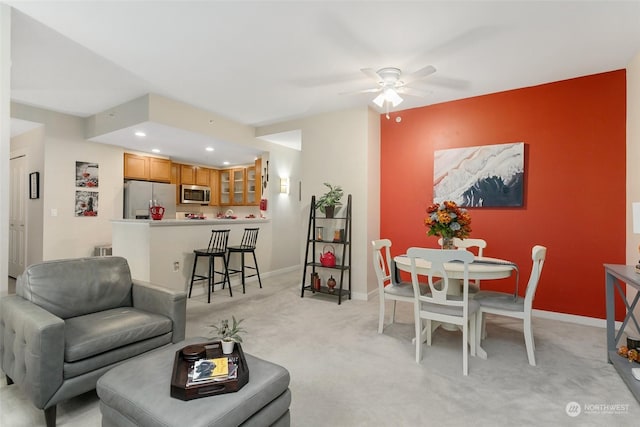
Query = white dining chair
x=468 y=244
x=388 y=287
x=508 y=304
x=438 y=304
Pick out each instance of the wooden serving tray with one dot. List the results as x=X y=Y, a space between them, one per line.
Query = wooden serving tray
x=181 y=367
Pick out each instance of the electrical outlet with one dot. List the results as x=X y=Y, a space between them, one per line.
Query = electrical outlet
x=176 y=266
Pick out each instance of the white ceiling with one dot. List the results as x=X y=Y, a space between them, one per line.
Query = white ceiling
x=264 y=62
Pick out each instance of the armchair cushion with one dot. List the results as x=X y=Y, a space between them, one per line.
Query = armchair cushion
x=73 y=287
x=95 y=333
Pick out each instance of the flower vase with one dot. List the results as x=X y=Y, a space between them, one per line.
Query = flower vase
x=447 y=243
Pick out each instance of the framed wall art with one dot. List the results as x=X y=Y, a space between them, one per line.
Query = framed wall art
x=86 y=203
x=34 y=185
x=86 y=174
x=482 y=176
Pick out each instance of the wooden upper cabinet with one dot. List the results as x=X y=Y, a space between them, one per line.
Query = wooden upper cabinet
x=195 y=175
x=214 y=183
x=146 y=168
x=187 y=175
x=159 y=169
x=202 y=176
x=253 y=186
x=136 y=167
x=175 y=179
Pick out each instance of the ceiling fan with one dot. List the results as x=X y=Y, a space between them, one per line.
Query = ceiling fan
x=391 y=83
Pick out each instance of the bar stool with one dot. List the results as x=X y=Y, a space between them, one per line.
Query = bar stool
x=217 y=249
x=248 y=245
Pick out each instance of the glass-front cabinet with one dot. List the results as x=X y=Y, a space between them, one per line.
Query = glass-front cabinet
x=226 y=187
x=238 y=186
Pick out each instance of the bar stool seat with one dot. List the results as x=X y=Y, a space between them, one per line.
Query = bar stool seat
x=247 y=245
x=217 y=249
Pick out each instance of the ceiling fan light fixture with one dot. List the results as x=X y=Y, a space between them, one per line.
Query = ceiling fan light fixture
x=379 y=100
x=393 y=97
x=388 y=95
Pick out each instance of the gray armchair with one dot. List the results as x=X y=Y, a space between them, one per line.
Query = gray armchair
x=73 y=320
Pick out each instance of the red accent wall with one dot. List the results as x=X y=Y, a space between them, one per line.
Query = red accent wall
x=574 y=191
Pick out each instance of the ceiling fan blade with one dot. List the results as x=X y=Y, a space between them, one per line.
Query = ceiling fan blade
x=420 y=74
x=414 y=92
x=372 y=90
x=370 y=72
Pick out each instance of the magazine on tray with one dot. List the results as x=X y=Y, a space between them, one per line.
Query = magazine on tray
x=210 y=370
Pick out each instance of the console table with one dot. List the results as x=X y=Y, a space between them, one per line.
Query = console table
x=614 y=274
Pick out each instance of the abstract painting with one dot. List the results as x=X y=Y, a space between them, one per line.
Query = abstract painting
x=483 y=176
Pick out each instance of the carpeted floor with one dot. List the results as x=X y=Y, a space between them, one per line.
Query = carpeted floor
x=343 y=373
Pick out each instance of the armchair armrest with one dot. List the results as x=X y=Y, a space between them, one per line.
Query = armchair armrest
x=31 y=348
x=168 y=302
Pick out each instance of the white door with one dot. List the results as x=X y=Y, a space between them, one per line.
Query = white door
x=17 y=214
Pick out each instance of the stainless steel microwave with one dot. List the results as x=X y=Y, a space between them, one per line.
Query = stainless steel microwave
x=195 y=194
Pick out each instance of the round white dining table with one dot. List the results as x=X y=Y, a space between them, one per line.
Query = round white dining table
x=483 y=268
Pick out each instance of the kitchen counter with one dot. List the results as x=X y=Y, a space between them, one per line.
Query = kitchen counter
x=183 y=222
x=161 y=251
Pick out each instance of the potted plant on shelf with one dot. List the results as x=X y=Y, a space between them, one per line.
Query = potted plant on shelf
x=229 y=334
x=329 y=200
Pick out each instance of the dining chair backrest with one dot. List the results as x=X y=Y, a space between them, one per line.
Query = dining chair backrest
x=218 y=241
x=437 y=274
x=249 y=238
x=538 y=255
x=381 y=262
x=466 y=244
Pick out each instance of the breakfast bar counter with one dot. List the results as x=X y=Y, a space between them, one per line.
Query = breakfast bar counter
x=161 y=252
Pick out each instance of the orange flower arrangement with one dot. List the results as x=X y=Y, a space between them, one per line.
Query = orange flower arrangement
x=447 y=219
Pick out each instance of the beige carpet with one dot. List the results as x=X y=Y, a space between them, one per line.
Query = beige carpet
x=345 y=374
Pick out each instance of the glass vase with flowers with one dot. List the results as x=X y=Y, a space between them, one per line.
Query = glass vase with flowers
x=448 y=220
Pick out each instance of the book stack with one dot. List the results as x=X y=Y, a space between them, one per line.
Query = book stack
x=212 y=370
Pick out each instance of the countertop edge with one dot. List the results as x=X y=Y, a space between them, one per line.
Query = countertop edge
x=189 y=222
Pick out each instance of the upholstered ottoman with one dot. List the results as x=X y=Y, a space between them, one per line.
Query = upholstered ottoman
x=137 y=394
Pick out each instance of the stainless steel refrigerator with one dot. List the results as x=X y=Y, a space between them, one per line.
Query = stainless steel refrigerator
x=139 y=194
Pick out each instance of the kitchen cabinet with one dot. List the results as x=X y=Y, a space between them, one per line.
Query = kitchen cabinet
x=214 y=183
x=253 y=187
x=136 y=167
x=194 y=175
x=159 y=169
x=146 y=168
x=240 y=186
x=175 y=179
x=232 y=187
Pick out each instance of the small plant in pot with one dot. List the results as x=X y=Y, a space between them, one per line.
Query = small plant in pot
x=329 y=200
x=229 y=334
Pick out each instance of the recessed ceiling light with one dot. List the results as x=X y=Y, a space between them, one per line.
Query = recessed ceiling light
x=209 y=148
x=225 y=163
x=140 y=133
x=155 y=150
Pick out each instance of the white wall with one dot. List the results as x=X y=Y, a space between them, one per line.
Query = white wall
x=5 y=87
x=60 y=145
x=633 y=158
x=335 y=149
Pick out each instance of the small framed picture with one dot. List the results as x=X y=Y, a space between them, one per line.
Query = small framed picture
x=34 y=185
